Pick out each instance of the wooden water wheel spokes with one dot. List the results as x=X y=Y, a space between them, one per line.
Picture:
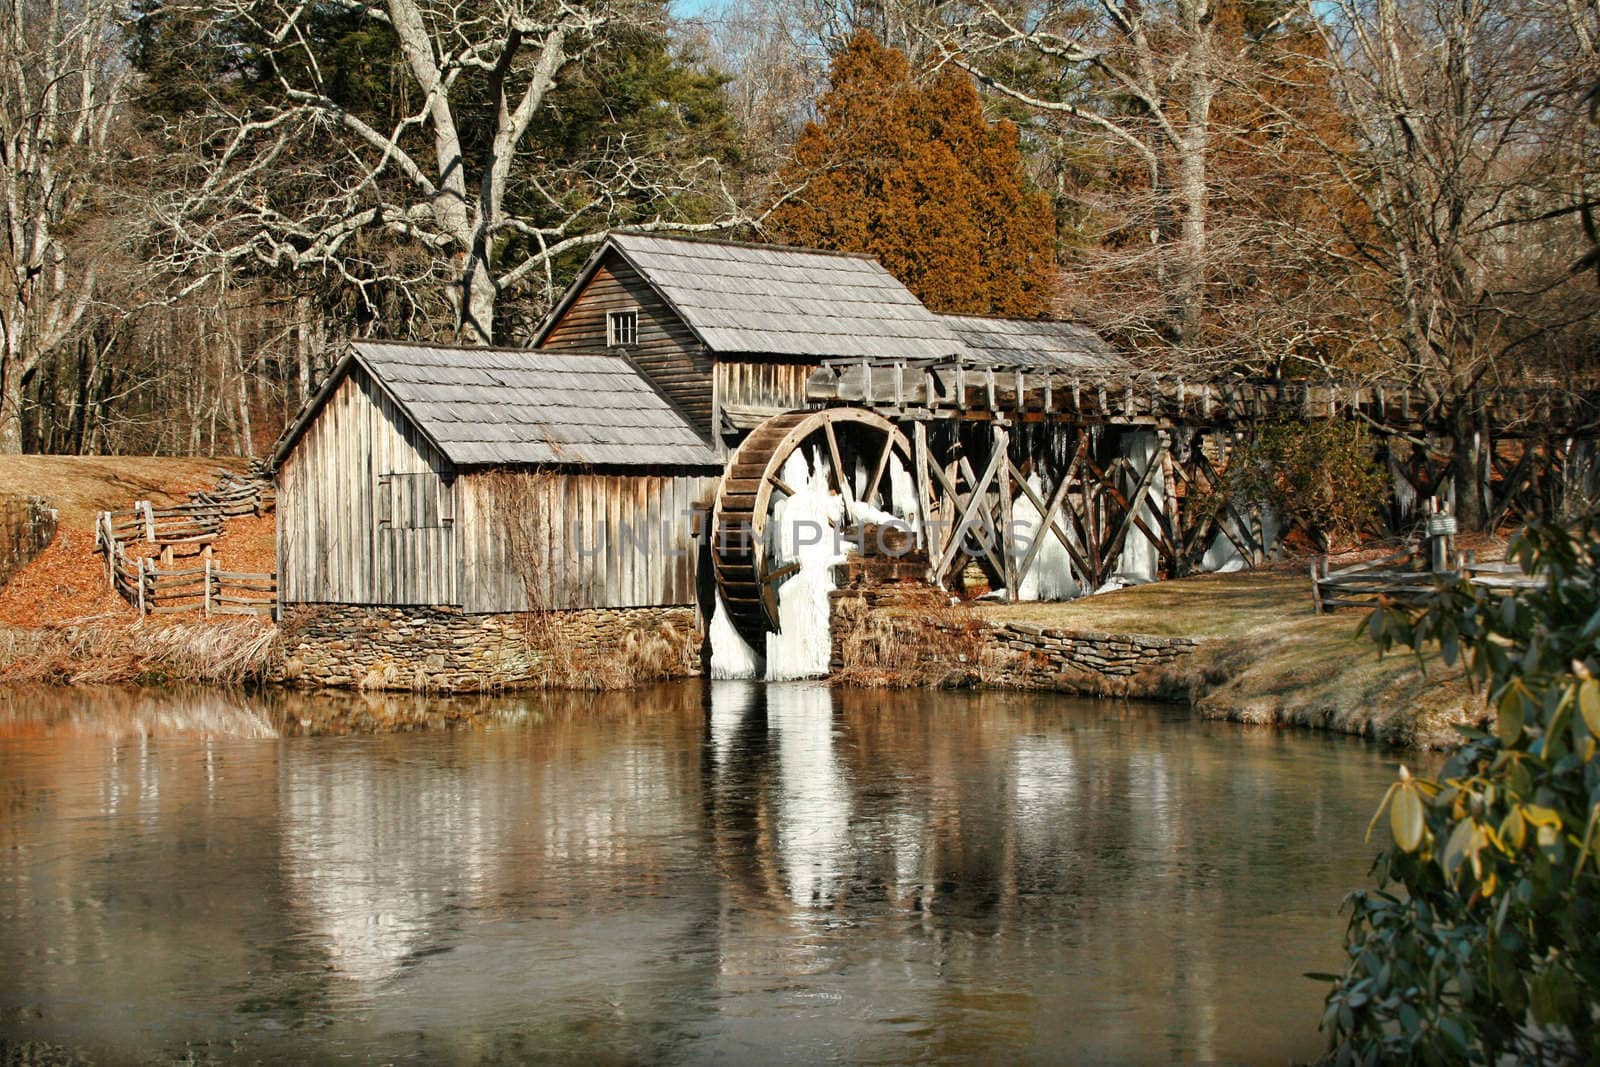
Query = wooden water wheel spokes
x=753 y=484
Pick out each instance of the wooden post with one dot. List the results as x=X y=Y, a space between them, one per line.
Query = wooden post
x=103 y=531
x=206 y=596
x=919 y=443
x=1169 y=504
x=142 y=562
x=1008 y=555
x=1441 y=535
x=149 y=520
x=1316 y=587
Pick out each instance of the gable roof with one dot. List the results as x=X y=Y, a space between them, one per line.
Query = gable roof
x=1034 y=344
x=485 y=406
x=773 y=300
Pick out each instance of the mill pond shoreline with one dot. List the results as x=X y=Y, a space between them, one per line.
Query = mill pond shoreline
x=1242 y=647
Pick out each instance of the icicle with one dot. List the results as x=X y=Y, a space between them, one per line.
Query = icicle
x=731 y=657
x=804 y=528
x=1051 y=577
x=903 y=494
x=1140 y=559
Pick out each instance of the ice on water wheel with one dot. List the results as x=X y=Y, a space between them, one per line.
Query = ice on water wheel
x=753 y=484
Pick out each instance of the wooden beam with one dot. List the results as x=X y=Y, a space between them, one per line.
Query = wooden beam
x=973 y=503
x=881 y=466
x=841 y=476
x=1007 y=556
x=1131 y=514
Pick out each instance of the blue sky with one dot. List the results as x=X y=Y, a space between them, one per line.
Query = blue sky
x=692 y=8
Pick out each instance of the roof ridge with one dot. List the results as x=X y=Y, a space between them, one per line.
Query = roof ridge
x=1011 y=318
x=390 y=342
x=759 y=246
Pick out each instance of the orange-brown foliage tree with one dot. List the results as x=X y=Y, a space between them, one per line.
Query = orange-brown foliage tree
x=910 y=172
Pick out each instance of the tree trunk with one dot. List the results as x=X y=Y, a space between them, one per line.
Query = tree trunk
x=478 y=293
x=1192 y=151
x=1466 y=463
x=303 y=345
x=11 y=382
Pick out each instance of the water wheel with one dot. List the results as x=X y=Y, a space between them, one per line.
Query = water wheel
x=753 y=485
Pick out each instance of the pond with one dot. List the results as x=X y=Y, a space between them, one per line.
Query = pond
x=723 y=872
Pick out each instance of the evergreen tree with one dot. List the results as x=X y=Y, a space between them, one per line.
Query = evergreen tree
x=910 y=172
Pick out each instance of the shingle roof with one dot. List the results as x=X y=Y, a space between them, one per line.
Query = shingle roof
x=1030 y=343
x=786 y=301
x=486 y=406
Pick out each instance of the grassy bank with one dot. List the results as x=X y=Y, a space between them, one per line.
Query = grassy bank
x=150 y=653
x=1266 y=658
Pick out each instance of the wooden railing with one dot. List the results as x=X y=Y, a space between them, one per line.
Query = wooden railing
x=1363 y=585
x=187 y=531
x=239 y=592
x=1400 y=578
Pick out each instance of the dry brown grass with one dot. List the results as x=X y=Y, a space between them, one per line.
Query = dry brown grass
x=79 y=487
x=647 y=653
x=1319 y=673
x=100 y=653
x=912 y=638
x=1205 y=606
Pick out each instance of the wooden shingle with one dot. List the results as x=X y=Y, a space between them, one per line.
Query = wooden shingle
x=487 y=407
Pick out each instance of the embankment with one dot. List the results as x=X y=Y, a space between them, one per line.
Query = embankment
x=27 y=526
x=1244 y=647
x=59 y=620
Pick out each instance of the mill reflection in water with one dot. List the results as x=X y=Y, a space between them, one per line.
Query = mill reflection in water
x=728 y=872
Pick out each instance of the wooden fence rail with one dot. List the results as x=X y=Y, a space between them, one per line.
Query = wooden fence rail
x=239 y=592
x=187 y=530
x=1401 y=578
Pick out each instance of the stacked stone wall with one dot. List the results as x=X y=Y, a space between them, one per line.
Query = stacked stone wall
x=27 y=526
x=1087 y=660
x=999 y=655
x=440 y=649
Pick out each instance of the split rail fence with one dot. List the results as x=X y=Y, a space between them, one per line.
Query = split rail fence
x=186 y=531
x=1401 y=578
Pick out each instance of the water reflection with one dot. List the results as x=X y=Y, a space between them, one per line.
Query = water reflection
x=731 y=871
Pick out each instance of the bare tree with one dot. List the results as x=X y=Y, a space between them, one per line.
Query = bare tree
x=452 y=178
x=1141 y=77
x=60 y=94
x=776 y=67
x=1471 y=154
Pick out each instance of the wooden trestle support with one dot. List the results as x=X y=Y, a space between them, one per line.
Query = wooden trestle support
x=981 y=440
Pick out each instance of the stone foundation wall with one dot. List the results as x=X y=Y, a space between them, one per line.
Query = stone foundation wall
x=440 y=649
x=872 y=624
x=27 y=526
x=1087 y=660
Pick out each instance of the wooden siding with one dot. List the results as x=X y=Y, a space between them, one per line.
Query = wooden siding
x=365 y=508
x=602 y=537
x=747 y=385
x=667 y=349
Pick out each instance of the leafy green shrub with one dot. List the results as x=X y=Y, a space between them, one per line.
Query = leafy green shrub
x=1321 y=477
x=1483 y=943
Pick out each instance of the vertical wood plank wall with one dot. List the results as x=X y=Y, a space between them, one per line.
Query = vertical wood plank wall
x=667 y=349
x=751 y=384
x=332 y=547
x=603 y=542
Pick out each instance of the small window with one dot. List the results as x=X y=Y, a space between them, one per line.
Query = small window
x=622 y=328
x=414 y=501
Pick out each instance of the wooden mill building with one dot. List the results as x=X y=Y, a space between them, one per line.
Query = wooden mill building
x=386 y=488
x=661 y=356
x=731 y=332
